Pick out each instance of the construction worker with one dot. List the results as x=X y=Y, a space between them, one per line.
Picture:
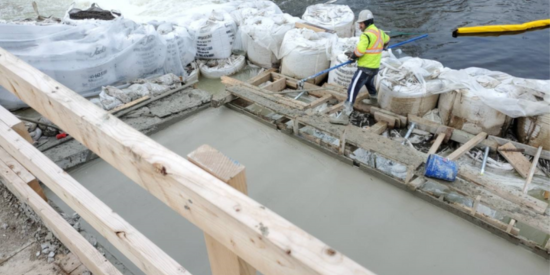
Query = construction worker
x=368 y=54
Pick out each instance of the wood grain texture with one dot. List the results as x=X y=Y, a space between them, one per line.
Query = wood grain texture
x=14 y=123
x=532 y=170
x=22 y=173
x=435 y=146
x=516 y=159
x=222 y=260
x=75 y=242
x=265 y=240
x=136 y=247
x=467 y=146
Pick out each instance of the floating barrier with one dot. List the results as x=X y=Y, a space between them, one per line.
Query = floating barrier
x=503 y=28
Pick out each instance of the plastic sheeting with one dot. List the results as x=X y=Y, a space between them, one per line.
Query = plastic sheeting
x=339 y=18
x=262 y=37
x=305 y=53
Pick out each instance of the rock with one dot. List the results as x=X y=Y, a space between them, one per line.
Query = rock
x=51 y=260
x=51 y=255
x=36 y=134
x=37 y=253
x=31 y=126
x=50 y=132
x=45 y=245
x=4 y=226
x=86 y=273
x=49 y=236
x=76 y=226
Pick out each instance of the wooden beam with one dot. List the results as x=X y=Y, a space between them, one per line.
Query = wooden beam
x=506 y=193
x=436 y=144
x=129 y=104
x=467 y=146
x=516 y=159
x=262 y=238
x=14 y=123
x=140 y=250
x=379 y=128
x=22 y=173
x=402 y=119
x=529 y=150
x=276 y=86
x=261 y=77
x=390 y=120
x=75 y=242
x=320 y=101
x=532 y=170
x=222 y=260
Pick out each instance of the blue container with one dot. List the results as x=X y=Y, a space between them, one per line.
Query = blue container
x=441 y=168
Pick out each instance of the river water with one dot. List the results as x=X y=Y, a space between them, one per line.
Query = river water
x=523 y=55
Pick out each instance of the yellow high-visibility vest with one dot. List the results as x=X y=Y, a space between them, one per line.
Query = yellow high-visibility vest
x=370 y=46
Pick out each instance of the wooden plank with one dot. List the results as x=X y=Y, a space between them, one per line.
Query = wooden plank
x=507 y=193
x=532 y=170
x=390 y=120
x=261 y=77
x=510 y=226
x=402 y=119
x=222 y=260
x=379 y=128
x=129 y=104
x=140 y=250
x=319 y=101
x=14 y=123
x=476 y=204
x=276 y=86
x=436 y=144
x=457 y=135
x=22 y=173
x=516 y=159
x=493 y=222
x=279 y=247
x=334 y=108
x=467 y=146
x=75 y=242
x=529 y=150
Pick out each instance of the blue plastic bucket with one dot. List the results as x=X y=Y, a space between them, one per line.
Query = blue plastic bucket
x=441 y=168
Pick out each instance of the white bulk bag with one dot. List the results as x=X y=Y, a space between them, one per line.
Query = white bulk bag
x=248 y=9
x=334 y=17
x=180 y=48
x=305 y=53
x=343 y=75
x=214 y=35
x=221 y=67
x=262 y=38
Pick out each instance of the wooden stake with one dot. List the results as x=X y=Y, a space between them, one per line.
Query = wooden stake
x=476 y=204
x=222 y=260
x=467 y=146
x=510 y=226
x=437 y=143
x=75 y=242
x=532 y=170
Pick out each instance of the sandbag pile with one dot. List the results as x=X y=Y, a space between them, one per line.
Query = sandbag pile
x=93 y=54
x=339 y=18
x=214 y=34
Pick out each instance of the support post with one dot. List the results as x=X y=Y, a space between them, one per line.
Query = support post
x=222 y=260
x=532 y=170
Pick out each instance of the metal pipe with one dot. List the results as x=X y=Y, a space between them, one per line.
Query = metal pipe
x=409 y=132
x=484 y=163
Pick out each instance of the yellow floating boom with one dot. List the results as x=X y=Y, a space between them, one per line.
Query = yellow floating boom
x=504 y=28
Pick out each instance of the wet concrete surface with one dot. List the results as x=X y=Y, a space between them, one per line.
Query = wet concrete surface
x=384 y=228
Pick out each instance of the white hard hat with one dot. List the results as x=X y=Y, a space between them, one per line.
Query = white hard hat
x=364 y=15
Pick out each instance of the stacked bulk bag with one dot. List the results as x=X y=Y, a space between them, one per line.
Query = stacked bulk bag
x=343 y=75
x=339 y=18
x=534 y=131
x=408 y=85
x=305 y=53
x=262 y=38
x=247 y=9
x=214 y=35
x=180 y=48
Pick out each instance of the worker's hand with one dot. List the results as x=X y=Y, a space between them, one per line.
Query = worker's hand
x=351 y=55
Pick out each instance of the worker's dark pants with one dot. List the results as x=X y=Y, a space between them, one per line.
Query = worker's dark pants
x=362 y=77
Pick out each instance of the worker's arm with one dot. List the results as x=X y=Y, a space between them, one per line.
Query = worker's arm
x=361 y=47
x=386 y=39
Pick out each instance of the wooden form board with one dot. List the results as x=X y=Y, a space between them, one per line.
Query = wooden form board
x=89 y=256
x=22 y=173
x=136 y=247
x=222 y=260
x=467 y=146
x=516 y=159
x=15 y=124
x=279 y=247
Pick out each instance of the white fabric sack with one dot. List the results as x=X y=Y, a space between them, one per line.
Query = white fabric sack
x=214 y=35
x=221 y=67
x=305 y=53
x=262 y=38
x=339 y=18
x=248 y=9
x=343 y=75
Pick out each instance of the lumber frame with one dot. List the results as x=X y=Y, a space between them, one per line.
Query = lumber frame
x=15 y=124
x=467 y=146
x=22 y=173
x=222 y=260
x=89 y=256
x=136 y=247
x=198 y=196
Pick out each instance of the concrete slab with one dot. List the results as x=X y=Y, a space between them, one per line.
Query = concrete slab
x=382 y=227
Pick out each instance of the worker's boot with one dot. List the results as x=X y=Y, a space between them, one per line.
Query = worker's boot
x=372 y=100
x=343 y=117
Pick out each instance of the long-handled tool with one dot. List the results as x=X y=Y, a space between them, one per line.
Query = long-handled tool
x=300 y=83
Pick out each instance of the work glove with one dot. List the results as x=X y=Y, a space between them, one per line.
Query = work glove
x=351 y=55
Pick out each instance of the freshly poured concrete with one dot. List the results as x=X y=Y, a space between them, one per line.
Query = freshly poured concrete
x=382 y=227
